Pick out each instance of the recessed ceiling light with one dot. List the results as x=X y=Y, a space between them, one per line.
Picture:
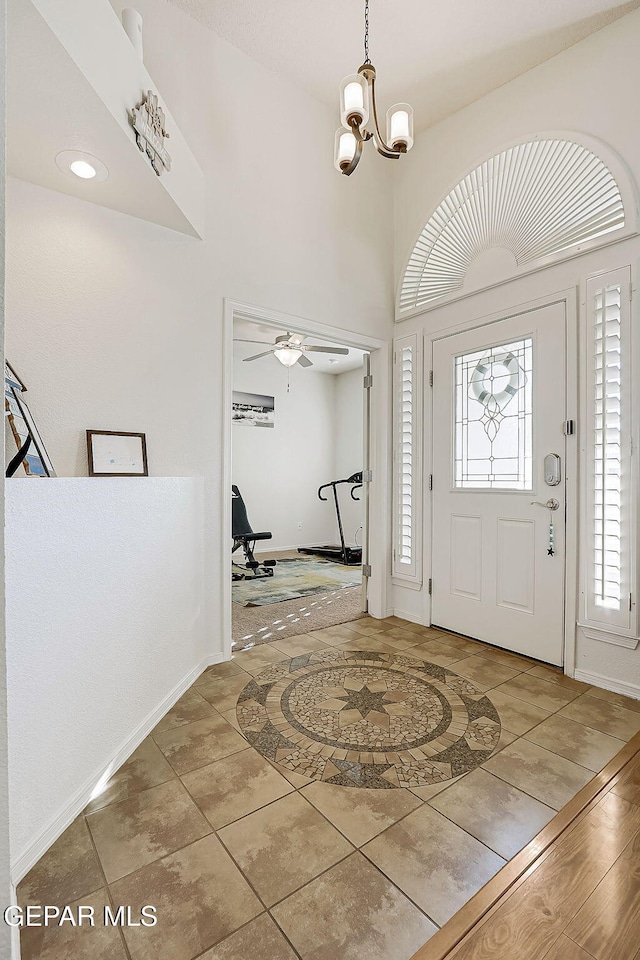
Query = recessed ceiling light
x=83 y=169
x=81 y=166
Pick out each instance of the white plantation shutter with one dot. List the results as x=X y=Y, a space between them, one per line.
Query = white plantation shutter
x=609 y=450
x=541 y=199
x=406 y=459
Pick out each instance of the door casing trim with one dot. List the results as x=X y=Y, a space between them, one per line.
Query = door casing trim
x=380 y=447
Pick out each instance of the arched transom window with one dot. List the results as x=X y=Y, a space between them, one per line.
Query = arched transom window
x=532 y=203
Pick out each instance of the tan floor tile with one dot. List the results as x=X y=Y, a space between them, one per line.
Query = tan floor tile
x=541 y=693
x=296 y=646
x=197 y=744
x=435 y=652
x=360 y=814
x=191 y=706
x=353 y=913
x=604 y=716
x=259 y=940
x=283 y=846
x=232 y=718
x=219 y=671
x=433 y=789
x=462 y=643
x=374 y=643
x=406 y=625
x=200 y=897
x=433 y=861
x=538 y=772
x=75 y=943
x=618 y=698
x=262 y=653
x=336 y=635
x=367 y=626
x=575 y=741
x=399 y=639
x=484 y=674
x=130 y=834
x=494 y=812
x=146 y=767
x=295 y=779
x=67 y=871
x=223 y=694
x=506 y=657
x=556 y=675
x=231 y=788
x=518 y=716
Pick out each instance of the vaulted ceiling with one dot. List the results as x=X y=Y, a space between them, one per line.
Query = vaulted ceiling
x=439 y=56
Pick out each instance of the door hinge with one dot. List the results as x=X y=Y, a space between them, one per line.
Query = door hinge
x=366 y=569
x=368 y=382
x=430 y=481
x=430 y=378
x=630 y=601
x=367 y=476
x=430 y=586
x=569 y=428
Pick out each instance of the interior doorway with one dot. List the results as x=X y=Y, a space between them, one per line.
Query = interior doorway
x=299 y=470
x=500 y=482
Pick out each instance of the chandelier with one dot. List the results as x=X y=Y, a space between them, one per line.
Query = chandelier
x=357 y=106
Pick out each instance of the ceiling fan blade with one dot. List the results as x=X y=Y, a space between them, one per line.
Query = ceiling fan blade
x=295 y=337
x=304 y=361
x=267 y=353
x=265 y=342
x=341 y=350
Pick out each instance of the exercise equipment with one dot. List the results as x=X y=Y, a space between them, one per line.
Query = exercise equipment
x=349 y=556
x=244 y=536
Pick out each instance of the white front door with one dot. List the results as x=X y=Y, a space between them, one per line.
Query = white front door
x=499 y=406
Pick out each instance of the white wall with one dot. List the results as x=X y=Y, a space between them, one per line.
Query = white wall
x=279 y=470
x=349 y=398
x=5 y=867
x=589 y=89
x=105 y=628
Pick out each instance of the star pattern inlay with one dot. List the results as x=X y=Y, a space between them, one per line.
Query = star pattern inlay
x=357 y=701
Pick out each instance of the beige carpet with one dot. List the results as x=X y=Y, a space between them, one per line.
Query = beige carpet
x=290 y=618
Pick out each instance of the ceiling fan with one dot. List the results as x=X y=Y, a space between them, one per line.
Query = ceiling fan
x=290 y=349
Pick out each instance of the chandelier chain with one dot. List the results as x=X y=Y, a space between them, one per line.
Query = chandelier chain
x=366 y=32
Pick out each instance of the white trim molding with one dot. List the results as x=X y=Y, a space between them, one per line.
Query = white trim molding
x=608 y=636
x=380 y=450
x=608 y=683
x=65 y=817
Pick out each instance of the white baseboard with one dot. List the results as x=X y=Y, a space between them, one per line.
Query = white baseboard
x=608 y=683
x=65 y=817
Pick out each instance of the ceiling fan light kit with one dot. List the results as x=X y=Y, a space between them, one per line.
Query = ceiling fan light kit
x=358 y=106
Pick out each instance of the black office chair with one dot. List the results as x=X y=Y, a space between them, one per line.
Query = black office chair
x=244 y=536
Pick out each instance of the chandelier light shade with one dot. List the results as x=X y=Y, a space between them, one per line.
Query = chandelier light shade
x=358 y=107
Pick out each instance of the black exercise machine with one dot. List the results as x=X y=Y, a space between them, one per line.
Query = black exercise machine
x=245 y=537
x=350 y=556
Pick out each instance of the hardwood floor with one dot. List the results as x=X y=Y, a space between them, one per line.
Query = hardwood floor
x=573 y=893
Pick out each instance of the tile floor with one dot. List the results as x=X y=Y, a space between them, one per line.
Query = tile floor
x=245 y=858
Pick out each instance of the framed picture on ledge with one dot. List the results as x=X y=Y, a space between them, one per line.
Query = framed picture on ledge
x=112 y=453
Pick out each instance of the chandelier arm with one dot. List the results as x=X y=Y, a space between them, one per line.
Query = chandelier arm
x=383 y=148
x=348 y=170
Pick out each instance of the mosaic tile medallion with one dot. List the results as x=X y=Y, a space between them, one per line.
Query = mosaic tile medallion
x=365 y=719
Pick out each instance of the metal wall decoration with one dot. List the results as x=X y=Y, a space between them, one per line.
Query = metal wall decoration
x=147 y=119
x=31 y=453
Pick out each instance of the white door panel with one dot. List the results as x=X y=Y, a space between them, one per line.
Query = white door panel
x=499 y=405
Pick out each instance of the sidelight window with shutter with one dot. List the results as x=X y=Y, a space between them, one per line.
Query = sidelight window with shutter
x=608 y=436
x=407 y=492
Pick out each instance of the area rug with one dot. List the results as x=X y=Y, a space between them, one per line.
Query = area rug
x=368 y=719
x=293 y=579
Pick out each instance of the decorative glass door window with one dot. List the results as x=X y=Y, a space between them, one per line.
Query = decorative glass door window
x=493 y=417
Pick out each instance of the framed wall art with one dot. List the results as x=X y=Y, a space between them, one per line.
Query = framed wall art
x=113 y=453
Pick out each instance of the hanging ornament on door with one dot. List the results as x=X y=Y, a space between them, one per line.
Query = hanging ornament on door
x=552 y=505
x=550 y=551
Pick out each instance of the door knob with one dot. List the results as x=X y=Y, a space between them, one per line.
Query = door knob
x=551 y=504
